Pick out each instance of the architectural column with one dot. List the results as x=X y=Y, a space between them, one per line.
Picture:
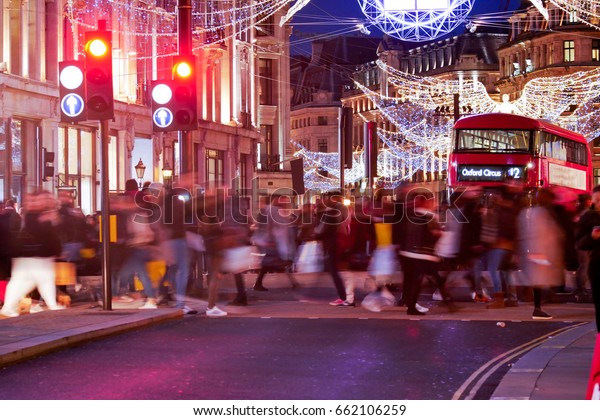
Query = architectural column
x=201 y=142
x=124 y=149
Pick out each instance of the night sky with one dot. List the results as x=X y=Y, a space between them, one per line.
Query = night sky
x=340 y=17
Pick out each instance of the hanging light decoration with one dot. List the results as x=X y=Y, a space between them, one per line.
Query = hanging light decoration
x=416 y=20
x=586 y=11
x=214 y=21
x=422 y=120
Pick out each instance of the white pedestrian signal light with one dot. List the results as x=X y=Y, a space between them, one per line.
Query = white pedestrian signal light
x=162 y=103
x=72 y=91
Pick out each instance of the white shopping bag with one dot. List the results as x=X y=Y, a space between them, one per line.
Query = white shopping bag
x=240 y=259
x=384 y=263
x=310 y=258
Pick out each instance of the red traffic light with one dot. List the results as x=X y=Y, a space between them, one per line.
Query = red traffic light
x=184 y=104
x=98 y=60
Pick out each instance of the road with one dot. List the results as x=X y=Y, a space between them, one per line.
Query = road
x=283 y=359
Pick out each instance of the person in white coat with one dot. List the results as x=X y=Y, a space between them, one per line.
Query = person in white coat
x=541 y=248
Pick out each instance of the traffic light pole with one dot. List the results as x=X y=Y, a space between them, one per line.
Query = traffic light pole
x=186 y=147
x=106 y=280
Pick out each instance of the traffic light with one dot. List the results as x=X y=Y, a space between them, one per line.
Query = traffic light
x=99 y=83
x=72 y=91
x=162 y=106
x=184 y=104
x=47 y=164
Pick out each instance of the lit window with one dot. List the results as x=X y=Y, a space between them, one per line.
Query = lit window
x=528 y=65
x=569 y=51
x=596 y=50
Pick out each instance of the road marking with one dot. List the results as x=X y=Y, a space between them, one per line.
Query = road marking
x=494 y=364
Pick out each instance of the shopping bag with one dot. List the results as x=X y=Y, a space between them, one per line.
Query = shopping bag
x=239 y=259
x=310 y=258
x=377 y=300
x=195 y=241
x=383 y=263
x=447 y=246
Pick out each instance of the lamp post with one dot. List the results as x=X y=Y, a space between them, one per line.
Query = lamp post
x=167 y=173
x=140 y=170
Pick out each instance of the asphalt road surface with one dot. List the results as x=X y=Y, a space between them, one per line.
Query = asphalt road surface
x=282 y=359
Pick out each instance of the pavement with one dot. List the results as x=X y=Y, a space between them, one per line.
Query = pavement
x=556 y=367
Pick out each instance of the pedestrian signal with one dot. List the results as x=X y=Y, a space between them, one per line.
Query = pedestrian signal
x=72 y=91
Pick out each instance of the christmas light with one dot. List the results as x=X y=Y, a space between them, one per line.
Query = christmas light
x=586 y=11
x=213 y=21
x=416 y=21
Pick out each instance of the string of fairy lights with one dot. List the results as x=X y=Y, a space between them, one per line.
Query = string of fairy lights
x=586 y=11
x=214 y=21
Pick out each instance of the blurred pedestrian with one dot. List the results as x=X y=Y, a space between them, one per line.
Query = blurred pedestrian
x=472 y=250
x=417 y=255
x=276 y=236
x=177 y=208
x=139 y=237
x=541 y=243
x=565 y=211
x=72 y=230
x=14 y=218
x=333 y=215
x=35 y=250
x=501 y=249
x=588 y=240
x=582 y=281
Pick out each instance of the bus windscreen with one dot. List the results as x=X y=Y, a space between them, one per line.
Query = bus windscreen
x=493 y=141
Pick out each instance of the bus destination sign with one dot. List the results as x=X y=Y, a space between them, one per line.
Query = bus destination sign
x=489 y=173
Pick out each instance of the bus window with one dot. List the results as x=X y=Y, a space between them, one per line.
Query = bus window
x=495 y=141
x=560 y=148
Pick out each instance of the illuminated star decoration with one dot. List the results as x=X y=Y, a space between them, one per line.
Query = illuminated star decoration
x=416 y=20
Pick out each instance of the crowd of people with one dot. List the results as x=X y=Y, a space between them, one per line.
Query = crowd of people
x=520 y=238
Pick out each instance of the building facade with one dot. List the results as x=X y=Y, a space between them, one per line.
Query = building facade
x=559 y=46
x=242 y=77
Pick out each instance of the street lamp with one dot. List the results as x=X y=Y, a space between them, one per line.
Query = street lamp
x=140 y=170
x=167 y=173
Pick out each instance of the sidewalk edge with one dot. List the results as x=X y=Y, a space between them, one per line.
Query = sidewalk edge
x=520 y=381
x=39 y=345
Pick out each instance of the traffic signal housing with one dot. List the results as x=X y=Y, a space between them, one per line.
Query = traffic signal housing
x=71 y=80
x=47 y=164
x=99 y=81
x=162 y=106
x=184 y=103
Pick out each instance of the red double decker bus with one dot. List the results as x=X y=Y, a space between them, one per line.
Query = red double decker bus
x=490 y=148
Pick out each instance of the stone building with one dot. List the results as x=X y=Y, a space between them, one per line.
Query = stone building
x=242 y=78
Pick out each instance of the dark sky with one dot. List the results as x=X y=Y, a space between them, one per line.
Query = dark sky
x=339 y=17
